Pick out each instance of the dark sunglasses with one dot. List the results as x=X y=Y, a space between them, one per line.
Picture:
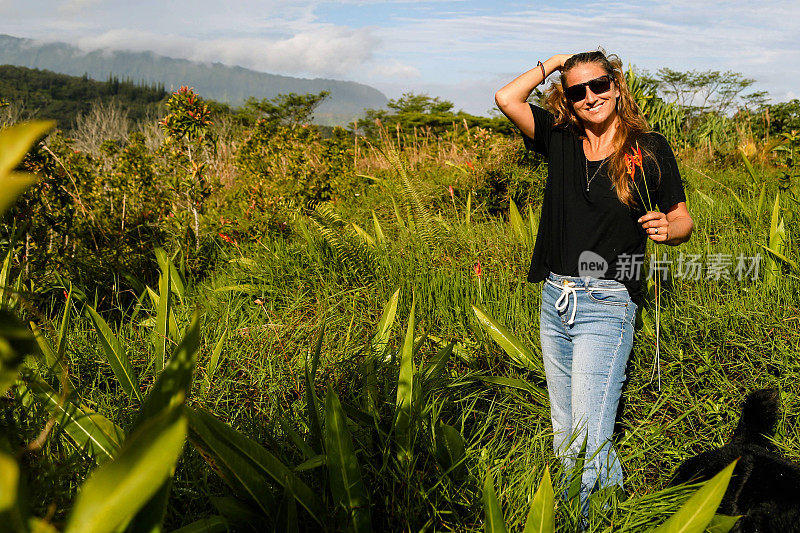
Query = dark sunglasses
x=577 y=92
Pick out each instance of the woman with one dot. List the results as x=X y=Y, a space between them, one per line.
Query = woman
x=604 y=169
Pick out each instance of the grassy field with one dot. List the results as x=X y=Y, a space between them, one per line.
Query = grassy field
x=324 y=339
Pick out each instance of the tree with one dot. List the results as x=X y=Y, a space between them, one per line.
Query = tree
x=428 y=114
x=703 y=92
x=283 y=110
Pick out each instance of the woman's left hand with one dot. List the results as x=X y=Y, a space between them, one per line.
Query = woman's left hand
x=656 y=225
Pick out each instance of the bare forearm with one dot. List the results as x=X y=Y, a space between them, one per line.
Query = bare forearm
x=523 y=85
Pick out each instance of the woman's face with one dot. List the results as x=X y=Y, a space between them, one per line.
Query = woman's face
x=594 y=108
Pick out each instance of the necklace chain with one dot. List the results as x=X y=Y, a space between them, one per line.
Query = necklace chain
x=589 y=180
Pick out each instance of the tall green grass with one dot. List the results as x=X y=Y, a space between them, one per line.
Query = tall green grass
x=345 y=382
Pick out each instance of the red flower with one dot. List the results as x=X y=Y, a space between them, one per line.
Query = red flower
x=226 y=238
x=633 y=160
x=630 y=165
x=470 y=165
x=478 y=270
x=451 y=191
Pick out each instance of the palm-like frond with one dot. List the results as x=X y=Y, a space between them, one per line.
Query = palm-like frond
x=348 y=246
x=424 y=223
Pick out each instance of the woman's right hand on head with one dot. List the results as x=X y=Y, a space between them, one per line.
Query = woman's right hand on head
x=561 y=59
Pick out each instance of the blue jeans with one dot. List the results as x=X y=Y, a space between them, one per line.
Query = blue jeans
x=586 y=330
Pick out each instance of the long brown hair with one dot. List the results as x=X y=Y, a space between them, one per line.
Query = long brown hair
x=631 y=126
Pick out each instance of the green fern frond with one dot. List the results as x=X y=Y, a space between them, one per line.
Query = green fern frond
x=343 y=239
x=424 y=223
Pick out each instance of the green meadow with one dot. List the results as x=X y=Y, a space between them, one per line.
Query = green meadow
x=237 y=321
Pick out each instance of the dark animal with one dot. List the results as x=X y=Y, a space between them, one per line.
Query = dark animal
x=765 y=487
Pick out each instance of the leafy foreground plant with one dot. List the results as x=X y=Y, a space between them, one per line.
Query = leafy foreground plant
x=695 y=516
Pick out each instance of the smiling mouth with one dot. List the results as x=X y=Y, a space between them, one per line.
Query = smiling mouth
x=595 y=108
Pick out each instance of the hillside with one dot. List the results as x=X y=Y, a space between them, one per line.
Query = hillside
x=61 y=97
x=232 y=85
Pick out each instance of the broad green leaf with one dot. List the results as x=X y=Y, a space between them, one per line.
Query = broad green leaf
x=722 y=523
x=240 y=514
x=116 y=356
x=247 y=466
x=748 y=166
x=518 y=352
x=90 y=431
x=698 y=511
x=515 y=219
x=576 y=475
x=774 y=253
x=347 y=487
x=384 y=329
x=44 y=346
x=65 y=324
x=9 y=479
x=515 y=383
x=119 y=488
x=493 y=515
x=286 y=521
x=15 y=141
x=246 y=261
x=312 y=463
x=212 y=524
x=379 y=236
x=366 y=237
x=214 y=362
x=541 y=517
x=174 y=384
x=405 y=388
x=312 y=402
x=468 y=214
x=153 y=320
x=177 y=284
x=5 y=275
x=450 y=449
x=397 y=214
x=532 y=222
x=435 y=369
x=16 y=341
x=12 y=186
x=161 y=332
x=705 y=197
x=298 y=441
x=39 y=525
x=150 y=517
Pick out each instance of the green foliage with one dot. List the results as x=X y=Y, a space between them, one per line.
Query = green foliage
x=421 y=112
x=297 y=163
x=63 y=98
x=189 y=118
x=665 y=118
x=296 y=304
x=700 y=92
x=284 y=110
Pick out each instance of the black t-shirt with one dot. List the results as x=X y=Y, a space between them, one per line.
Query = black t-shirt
x=577 y=226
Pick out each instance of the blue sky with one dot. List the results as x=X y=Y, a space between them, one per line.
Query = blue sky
x=458 y=50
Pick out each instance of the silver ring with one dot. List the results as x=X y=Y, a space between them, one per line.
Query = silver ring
x=656 y=231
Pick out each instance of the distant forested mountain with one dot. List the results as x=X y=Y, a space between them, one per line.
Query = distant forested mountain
x=231 y=85
x=61 y=97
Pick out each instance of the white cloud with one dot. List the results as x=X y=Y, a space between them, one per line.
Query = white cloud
x=74 y=6
x=451 y=48
x=329 y=50
x=392 y=69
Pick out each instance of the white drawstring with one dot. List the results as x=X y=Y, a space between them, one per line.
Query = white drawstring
x=568 y=288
